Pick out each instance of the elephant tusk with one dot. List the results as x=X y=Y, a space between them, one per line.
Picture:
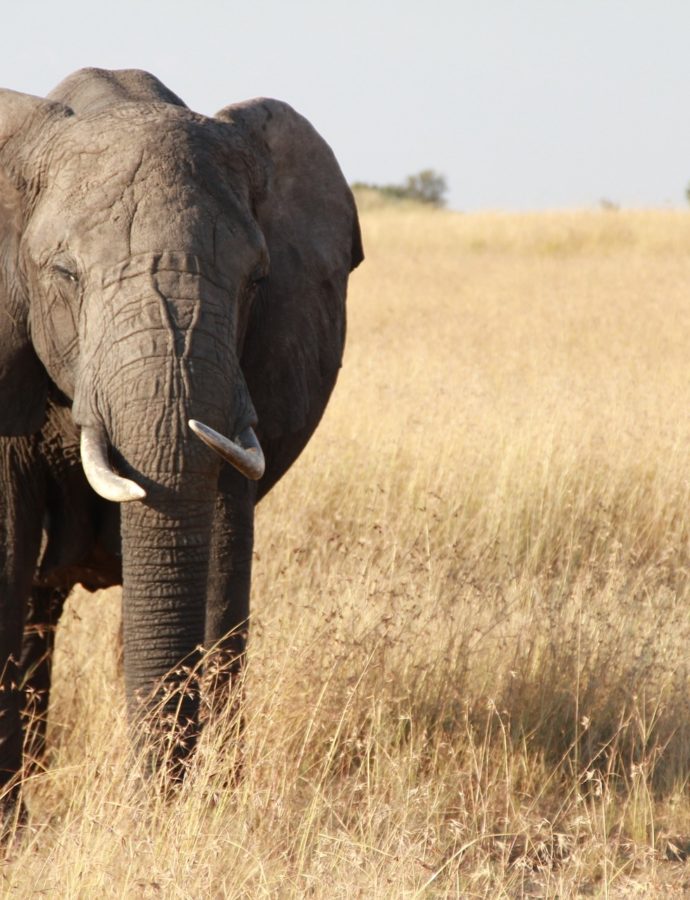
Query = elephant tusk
x=99 y=472
x=244 y=453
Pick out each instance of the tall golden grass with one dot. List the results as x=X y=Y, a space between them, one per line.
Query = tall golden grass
x=469 y=661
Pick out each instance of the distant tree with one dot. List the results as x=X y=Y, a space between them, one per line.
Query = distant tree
x=687 y=193
x=426 y=186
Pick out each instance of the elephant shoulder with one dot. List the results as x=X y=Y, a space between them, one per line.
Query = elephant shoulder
x=92 y=90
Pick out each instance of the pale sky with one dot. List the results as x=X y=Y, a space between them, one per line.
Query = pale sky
x=521 y=104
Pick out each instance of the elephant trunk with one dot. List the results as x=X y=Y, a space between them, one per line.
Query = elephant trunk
x=166 y=540
x=170 y=358
x=165 y=546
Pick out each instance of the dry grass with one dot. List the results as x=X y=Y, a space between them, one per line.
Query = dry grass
x=469 y=656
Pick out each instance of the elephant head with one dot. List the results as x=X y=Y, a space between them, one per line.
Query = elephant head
x=181 y=280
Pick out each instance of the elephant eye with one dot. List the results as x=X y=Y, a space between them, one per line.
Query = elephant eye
x=65 y=273
x=259 y=277
x=254 y=284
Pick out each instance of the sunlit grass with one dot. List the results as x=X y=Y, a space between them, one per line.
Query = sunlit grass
x=468 y=666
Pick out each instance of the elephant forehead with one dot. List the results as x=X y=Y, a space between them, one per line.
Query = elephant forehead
x=147 y=181
x=140 y=180
x=137 y=143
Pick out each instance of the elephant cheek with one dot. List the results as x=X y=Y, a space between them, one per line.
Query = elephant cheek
x=57 y=346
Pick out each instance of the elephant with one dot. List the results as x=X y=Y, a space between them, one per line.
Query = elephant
x=172 y=323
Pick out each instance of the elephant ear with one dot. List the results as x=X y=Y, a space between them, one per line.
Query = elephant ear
x=294 y=341
x=23 y=380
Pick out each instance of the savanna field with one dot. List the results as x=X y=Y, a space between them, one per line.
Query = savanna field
x=469 y=666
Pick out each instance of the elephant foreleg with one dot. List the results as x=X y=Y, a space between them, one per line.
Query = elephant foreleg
x=22 y=483
x=227 y=611
x=43 y=614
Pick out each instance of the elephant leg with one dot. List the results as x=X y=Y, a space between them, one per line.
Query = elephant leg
x=44 y=611
x=22 y=483
x=227 y=611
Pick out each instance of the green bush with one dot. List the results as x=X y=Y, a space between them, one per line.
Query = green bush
x=426 y=186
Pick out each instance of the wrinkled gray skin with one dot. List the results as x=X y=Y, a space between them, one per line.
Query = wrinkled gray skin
x=156 y=266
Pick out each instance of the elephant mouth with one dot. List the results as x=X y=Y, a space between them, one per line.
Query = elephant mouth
x=244 y=453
